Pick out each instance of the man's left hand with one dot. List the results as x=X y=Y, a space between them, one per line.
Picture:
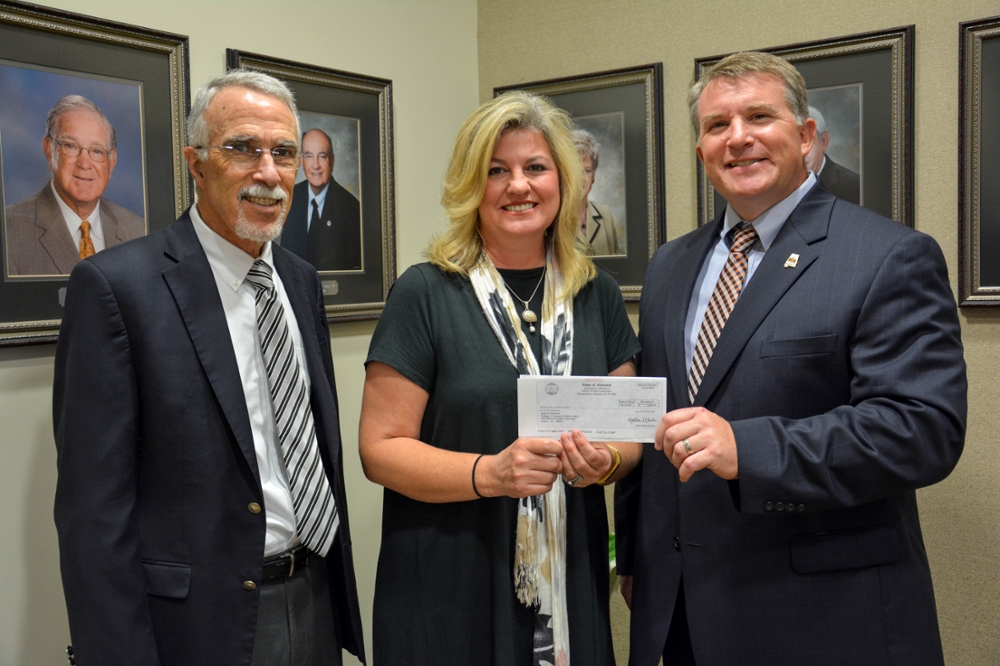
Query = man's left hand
x=694 y=438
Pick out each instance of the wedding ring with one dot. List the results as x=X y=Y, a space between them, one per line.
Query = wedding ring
x=573 y=482
x=687 y=445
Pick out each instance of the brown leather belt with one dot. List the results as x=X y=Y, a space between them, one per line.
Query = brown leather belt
x=284 y=565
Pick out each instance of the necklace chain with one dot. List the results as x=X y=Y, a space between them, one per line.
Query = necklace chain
x=527 y=315
x=540 y=280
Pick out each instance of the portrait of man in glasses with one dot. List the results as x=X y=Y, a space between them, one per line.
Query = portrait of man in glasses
x=69 y=219
x=324 y=222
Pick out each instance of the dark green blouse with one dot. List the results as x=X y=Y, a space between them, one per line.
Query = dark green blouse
x=444 y=592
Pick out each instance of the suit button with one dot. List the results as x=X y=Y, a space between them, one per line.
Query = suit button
x=779 y=506
x=800 y=508
x=768 y=506
x=253 y=508
x=677 y=543
x=249 y=585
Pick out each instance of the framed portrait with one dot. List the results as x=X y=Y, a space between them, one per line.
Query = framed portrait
x=861 y=96
x=979 y=162
x=91 y=132
x=619 y=118
x=342 y=218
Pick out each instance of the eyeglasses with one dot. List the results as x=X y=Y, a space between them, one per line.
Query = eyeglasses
x=70 y=149
x=245 y=155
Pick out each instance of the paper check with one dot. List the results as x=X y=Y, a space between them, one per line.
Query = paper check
x=605 y=409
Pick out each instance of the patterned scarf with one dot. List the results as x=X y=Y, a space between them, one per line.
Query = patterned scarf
x=540 y=555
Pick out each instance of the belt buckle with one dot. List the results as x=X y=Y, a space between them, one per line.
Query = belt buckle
x=291 y=557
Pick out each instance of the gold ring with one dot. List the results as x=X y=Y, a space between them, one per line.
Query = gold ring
x=687 y=445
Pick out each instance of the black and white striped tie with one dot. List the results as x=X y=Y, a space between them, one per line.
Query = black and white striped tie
x=316 y=518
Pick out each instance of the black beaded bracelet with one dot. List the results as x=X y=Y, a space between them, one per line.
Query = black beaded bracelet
x=474 y=465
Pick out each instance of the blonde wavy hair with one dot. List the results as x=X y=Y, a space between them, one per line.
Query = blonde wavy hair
x=458 y=248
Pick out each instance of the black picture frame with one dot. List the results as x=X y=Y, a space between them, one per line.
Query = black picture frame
x=881 y=63
x=77 y=47
x=364 y=101
x=979 y=163
x=634 y=94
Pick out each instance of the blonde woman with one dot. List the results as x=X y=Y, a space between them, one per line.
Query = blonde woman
x=494 y=548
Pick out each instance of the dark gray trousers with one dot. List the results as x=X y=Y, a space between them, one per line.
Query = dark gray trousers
x=296 y=625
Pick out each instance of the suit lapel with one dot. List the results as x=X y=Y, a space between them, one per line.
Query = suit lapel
x=687 y=266
x=192 y=283
x=806 y=226
x=595 y=223
x=109 y=225
x=56 y=239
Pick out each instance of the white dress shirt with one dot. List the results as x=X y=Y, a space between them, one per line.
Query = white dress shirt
x=768 y=224
x=230 y=266
x=73 y=222
x=320 y=199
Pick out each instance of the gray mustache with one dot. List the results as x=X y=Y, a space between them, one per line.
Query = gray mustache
x=263 y=192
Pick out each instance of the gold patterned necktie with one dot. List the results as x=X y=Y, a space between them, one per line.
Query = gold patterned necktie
x=86 y=245
x=723 y=300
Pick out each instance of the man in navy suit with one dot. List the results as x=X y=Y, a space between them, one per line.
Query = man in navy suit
x=775 y=519
x=324 y=223
x=181 y=530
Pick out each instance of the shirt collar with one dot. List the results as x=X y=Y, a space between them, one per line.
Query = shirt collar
x=229 y=261
x=320 y=198
x=73 y=220
x=769 y=223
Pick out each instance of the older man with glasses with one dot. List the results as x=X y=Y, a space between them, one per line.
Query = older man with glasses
x=69 y=219
x=200 y=504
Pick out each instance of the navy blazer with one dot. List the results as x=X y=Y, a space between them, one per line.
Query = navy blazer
x=843 y=379
x=157 y=469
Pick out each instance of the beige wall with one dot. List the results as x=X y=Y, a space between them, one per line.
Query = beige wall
x=428 y=50
x=960 y=516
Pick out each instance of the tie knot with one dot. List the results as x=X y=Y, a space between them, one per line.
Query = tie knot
x=745 y=235
x=260 y=275
x=85 y=227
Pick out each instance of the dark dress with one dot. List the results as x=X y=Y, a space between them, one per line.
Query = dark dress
x=444 y=593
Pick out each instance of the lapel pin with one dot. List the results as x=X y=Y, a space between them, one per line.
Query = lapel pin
x=792 y=261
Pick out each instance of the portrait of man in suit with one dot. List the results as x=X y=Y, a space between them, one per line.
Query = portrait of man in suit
x=324 y=223
x=841 y=181
x=69 y=218
x=200 y=502
x=816 y=380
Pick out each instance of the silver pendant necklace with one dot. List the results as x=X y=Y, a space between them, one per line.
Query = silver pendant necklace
x=527 y=315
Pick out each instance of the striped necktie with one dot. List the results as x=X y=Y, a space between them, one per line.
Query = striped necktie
x=316 y=518
x=727 y=290
x=86 y=244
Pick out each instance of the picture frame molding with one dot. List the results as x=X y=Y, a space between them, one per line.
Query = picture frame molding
x=972 y=292
x=173 y=47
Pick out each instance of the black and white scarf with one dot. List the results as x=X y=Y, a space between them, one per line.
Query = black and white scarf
x=540 y=557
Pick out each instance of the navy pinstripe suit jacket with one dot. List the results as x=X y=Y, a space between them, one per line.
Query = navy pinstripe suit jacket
x=844 y=381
